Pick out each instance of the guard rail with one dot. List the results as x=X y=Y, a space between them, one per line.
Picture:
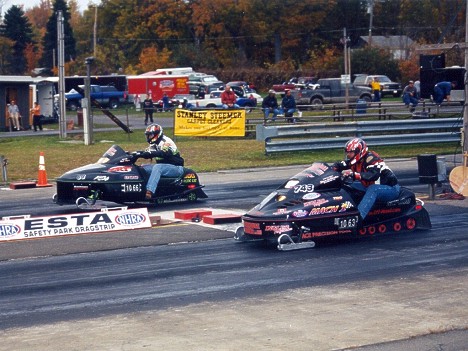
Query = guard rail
x=316 y=136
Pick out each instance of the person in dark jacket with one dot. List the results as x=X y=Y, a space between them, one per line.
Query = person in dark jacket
x=148 y=107
x=270 y=105
x=369 y=173
x=442 y=91
x=288 y=106
x=169 y=163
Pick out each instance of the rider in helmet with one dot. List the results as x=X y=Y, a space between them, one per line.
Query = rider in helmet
x=169 y=163
x=369 y=173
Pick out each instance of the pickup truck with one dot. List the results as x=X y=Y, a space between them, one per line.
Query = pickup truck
x=329 y=91
x=387 y=87
x=294 y=83
x=106 y=95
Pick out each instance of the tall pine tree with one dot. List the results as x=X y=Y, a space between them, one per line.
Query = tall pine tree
x=50 y=54
x=17 y=28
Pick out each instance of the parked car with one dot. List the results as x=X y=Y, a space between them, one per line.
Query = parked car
x=246 y=92
x=241 y=83
x=387 y=87
x=328 y=91
x=294 y=83
x=207 y=82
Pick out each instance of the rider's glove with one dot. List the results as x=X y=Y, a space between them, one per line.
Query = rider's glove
x=347 y=173
x=337 y=165
x=146 y=154
x=137 y=154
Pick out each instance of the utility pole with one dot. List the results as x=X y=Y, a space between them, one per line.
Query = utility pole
x=370 y=11
x=61 y=74
x=95 y=30
x=347 y=65
x=86 y=104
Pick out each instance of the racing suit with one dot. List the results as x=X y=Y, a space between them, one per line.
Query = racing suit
x=372 y=175
x=169 y=163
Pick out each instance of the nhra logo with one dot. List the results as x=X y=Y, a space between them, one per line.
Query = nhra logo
x=9 y=230
x=130 y=219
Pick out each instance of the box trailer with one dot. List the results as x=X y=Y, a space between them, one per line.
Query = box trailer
x=157 y=85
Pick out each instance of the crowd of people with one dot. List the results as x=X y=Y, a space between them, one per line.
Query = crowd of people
x=271 y=108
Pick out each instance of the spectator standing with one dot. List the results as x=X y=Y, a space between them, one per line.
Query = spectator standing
x=288 y=106
x=201 y=92
x=375 y=86
x=37 y=117
x=410 y=96
x=165 y=101
x=270 y=105
x=14 y=114
x=442 y=91
x=228 y=98
x=148 y=107
x=417 y=85
x=137 y=102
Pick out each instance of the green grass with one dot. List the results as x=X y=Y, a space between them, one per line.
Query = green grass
x=201 y=154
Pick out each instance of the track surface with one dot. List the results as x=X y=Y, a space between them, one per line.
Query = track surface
x=133 y=291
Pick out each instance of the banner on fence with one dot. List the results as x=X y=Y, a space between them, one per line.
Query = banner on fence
x=26 y=227
x=209 y=123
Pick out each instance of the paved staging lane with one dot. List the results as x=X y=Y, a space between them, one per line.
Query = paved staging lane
x=220 y=293
x=131 y=291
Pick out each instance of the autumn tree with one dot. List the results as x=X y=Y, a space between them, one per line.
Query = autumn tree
x=6 y=54
x=432 y=21
x=375 y=61
x=50 y=55
x=151 y=59
x=17 y=28
x=221 y=35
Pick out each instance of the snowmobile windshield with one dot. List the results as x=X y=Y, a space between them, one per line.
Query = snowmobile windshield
x=112 y=155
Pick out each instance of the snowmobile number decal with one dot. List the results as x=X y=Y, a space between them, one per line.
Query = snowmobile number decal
x=346 y=222
x=304 y=188
x=131 y=188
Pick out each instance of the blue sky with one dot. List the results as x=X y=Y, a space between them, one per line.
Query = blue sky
x=83 y=4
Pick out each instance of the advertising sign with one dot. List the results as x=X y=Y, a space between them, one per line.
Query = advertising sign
x=209 y=123
x=25 y=227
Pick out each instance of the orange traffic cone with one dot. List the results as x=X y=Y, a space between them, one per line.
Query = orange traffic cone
x=42 y=176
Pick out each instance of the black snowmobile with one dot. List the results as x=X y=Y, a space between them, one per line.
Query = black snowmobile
x=116 y=178
x=318 y=203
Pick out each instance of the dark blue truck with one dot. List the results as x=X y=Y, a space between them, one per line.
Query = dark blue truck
x=106 y=96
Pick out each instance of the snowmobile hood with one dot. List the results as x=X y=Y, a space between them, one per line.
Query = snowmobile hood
x=94 y=168
x=312 y=192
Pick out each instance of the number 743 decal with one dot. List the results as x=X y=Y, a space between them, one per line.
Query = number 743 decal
x=304 y=188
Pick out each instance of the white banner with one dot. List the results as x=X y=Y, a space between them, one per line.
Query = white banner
x=26 y=227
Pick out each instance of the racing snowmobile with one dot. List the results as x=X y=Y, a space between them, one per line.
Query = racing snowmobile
x=116 y=178
x=318 y=203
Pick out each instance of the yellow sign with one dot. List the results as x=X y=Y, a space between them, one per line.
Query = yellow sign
x=209 y=123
